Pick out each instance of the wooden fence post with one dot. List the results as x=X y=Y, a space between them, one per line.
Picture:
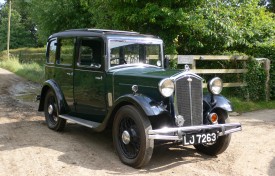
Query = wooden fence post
x=266 y=66
x=20 y=56
x=267 y=81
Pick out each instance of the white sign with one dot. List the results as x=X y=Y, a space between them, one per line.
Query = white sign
x=185 y=59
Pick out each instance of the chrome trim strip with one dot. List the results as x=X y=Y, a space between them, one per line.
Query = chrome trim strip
x=185 y=74
x=176 y=133
x=190 y=101
x=133 y=65
x=93 y=71
x=124 y=84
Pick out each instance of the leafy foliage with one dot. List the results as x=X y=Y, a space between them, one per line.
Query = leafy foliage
x=53 y=16
x=255 y=79
x=200 y=27
x=20 y=37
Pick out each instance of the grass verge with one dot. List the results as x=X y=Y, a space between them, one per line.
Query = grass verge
x=33 y=72
x=246 y=106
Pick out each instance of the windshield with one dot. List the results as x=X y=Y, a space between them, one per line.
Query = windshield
x=135 y=52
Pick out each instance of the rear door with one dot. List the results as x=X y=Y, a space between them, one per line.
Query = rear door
x=89 y=79
x=63 y=74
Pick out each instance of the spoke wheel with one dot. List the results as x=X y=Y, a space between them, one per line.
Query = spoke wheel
x=51 y=112
x=130 y=137
x=129 y=140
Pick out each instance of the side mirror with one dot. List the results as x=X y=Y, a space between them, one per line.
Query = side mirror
x=166 y=62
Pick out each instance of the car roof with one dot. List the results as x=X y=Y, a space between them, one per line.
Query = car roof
x=99 y=32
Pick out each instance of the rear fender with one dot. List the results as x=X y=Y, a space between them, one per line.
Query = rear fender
x=52 y=85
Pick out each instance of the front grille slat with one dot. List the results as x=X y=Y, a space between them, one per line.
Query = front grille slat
x=183 y=100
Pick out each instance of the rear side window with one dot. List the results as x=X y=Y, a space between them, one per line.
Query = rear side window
x=52 y=51
x=66 y=51
x=90 y=52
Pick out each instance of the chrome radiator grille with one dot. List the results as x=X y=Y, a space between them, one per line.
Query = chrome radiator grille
x=189 y=100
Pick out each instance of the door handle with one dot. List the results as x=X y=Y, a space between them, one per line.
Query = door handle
x=70 y=74
x=98 y=77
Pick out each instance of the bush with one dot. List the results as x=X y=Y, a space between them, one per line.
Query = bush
x=267 y=50
x=255 y=79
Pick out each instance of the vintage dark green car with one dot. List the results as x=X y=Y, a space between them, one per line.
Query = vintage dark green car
x=119 y=79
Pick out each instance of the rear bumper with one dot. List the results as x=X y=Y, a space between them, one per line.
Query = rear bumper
x=178 y=133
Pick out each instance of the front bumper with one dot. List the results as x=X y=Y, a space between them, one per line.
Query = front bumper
x=179 y=132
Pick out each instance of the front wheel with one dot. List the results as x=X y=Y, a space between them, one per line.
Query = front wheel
x=130 y=137
x=223 y=141
x=53 y=121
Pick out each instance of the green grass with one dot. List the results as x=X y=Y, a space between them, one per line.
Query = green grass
x=24 y=50
x=26 y=55
x=246 y=106
x=33 y=72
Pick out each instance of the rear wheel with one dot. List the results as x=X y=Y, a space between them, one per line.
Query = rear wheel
x=130 y=137
x=223 y=141
x=53 y=121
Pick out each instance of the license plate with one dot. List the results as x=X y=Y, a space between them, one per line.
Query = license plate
x=192 y=139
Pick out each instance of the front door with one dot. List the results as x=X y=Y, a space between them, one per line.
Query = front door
x=89 y=80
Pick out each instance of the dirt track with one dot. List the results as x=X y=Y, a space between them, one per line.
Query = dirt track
x=28 y=147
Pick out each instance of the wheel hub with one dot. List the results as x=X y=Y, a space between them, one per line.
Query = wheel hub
x=126 y=138
x=50 y=109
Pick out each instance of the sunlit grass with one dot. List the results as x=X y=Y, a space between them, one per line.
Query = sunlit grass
x=33 y=71
x=246 y=106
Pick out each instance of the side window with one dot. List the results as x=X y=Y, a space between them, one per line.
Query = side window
x=66 y=51
x=90 y=52
x=51 y=51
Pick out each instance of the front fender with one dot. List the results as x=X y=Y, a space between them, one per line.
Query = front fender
x=149 y=106
x=143 y=103
x=219 y=101
x=52 y=85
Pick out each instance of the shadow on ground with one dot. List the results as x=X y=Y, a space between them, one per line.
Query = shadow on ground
x=80 y=146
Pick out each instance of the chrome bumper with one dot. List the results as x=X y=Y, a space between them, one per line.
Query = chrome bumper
x=178 y=133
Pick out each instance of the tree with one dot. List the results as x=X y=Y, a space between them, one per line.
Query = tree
x=191 y=27
x=20 y=37
x=53 y=16
x=23 y=7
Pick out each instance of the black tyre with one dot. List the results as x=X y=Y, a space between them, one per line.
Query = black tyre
x=130 y=137
x=223 y=141
x=53 y=121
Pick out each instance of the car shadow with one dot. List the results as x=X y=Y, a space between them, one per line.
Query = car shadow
x=81 y=146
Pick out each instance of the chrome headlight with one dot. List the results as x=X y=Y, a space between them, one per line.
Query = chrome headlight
x=166 y=87
x=215 y=85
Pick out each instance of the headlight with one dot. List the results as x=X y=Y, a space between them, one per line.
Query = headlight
x=166 y=87
x=215 y=85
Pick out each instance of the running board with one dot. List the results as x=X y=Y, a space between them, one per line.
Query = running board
x=83 y=122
